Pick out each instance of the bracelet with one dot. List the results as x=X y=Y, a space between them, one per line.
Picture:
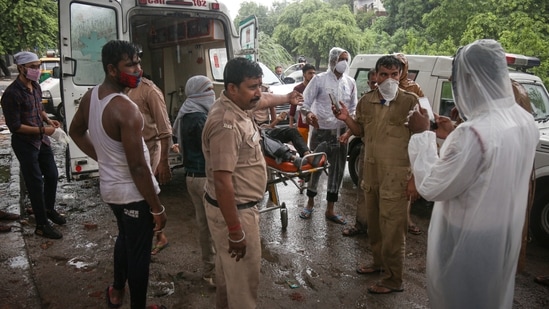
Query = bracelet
x=159 y=213
x=234 y=227
x=237 y=241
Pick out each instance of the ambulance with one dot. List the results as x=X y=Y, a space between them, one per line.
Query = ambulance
x=432 y=73
x=179 y=39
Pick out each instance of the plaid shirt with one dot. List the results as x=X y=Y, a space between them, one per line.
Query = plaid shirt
x=21 y=106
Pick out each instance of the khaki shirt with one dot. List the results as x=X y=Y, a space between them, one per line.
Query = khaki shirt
x=385 y=135
x=231 y=142
x=152 y=106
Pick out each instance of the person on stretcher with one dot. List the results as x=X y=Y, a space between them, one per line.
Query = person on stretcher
x=275 y=149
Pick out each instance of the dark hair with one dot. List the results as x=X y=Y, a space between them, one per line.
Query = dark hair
x=278 y=66
x=389 y=61
x=237 y=69
x=371 y=72
x=116 y=50
x=307 y=67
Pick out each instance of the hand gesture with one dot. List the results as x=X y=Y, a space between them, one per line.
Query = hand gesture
x=444 y=126
x=295 y=98
x=312 y=120
x=341 y=114
x=418 y=120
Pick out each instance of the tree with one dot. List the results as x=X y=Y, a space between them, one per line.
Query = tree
x=28 y=25
x=315 y=28
x=272 y=53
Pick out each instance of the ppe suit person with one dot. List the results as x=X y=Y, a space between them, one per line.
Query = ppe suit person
x=479 y=182
x=327 y=128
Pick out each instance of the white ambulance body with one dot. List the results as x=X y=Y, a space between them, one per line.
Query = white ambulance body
x=179 y=38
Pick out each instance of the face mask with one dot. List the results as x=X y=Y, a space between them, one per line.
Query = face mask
x=388 y=89
x=342 y=66
x=32 y=74
x=130 y=80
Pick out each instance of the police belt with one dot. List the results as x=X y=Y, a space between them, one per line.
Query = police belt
x=239 y=206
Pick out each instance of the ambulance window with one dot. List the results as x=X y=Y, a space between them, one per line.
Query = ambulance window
x=218 y=59
x=91 y=28
x=446 y=99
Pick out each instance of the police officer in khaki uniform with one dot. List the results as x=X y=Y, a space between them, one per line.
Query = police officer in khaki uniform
x=236 y=180
x=380 y=118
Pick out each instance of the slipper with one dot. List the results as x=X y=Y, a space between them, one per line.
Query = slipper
x=8 y=216
x=336 y=219
x=108 y=296
x=4 y=228
x=352 y=231
x=378 y=289
x=543 y=280
x=157 y=248
x=368 y=270
x=414 y=230
x=306 y=213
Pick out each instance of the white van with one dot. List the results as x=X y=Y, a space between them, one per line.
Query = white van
x=179 y=39
x=432 y=73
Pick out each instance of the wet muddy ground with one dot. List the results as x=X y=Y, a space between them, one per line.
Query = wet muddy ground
x=310 y=265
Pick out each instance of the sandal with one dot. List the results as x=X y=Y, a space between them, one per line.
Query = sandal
x=414 y=230
x=543 y=280
x=336 y=219
x=379 y=289
x=368 y=270
x=157 y=248
x=352 y=231
x=306 y=213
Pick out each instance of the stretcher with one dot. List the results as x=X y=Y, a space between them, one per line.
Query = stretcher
x=288 y=171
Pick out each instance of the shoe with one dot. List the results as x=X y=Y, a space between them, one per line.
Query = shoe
x=378 y=289
x=306 y=213
x=369 y=270
x=336 y=219
x=55 y=217
x=108 y=297
x=47 y=231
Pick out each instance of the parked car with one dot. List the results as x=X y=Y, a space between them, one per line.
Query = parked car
x=277 y=87
x=432 y=73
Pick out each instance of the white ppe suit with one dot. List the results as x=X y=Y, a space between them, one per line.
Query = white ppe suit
x=480 y=185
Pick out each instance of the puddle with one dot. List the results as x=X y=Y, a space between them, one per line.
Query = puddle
x=159 y=289
x=5 y=172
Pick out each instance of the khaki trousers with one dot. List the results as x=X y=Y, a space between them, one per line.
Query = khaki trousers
x=237 y=283
x=386 y=206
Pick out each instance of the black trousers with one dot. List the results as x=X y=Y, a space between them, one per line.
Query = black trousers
x=286 y=135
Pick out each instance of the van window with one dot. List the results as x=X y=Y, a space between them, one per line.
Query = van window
x=91 y=28
x=361 y=79
x=446 y=99
x=538 y=99
x=412 y=74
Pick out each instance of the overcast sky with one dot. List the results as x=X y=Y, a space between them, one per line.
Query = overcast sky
x=234 y=5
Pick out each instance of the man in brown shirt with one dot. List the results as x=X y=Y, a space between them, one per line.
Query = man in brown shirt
x=236 y=180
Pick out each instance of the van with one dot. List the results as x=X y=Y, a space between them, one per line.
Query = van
x=179 y=39
x=432 y=73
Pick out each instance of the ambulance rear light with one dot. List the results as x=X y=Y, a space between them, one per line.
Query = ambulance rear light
x=214 y=6
x=521 y=61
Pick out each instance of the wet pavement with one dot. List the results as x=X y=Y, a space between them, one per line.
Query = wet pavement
x=309 y=265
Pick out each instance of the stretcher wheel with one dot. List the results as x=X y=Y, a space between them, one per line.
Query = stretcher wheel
x=284 y=216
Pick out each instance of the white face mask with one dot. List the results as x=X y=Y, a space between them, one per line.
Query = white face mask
x=388 y=89
x=342 y=66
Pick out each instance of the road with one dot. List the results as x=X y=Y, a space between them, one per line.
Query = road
x=311 y=255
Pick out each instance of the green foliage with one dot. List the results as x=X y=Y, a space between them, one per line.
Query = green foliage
x=28 y=25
